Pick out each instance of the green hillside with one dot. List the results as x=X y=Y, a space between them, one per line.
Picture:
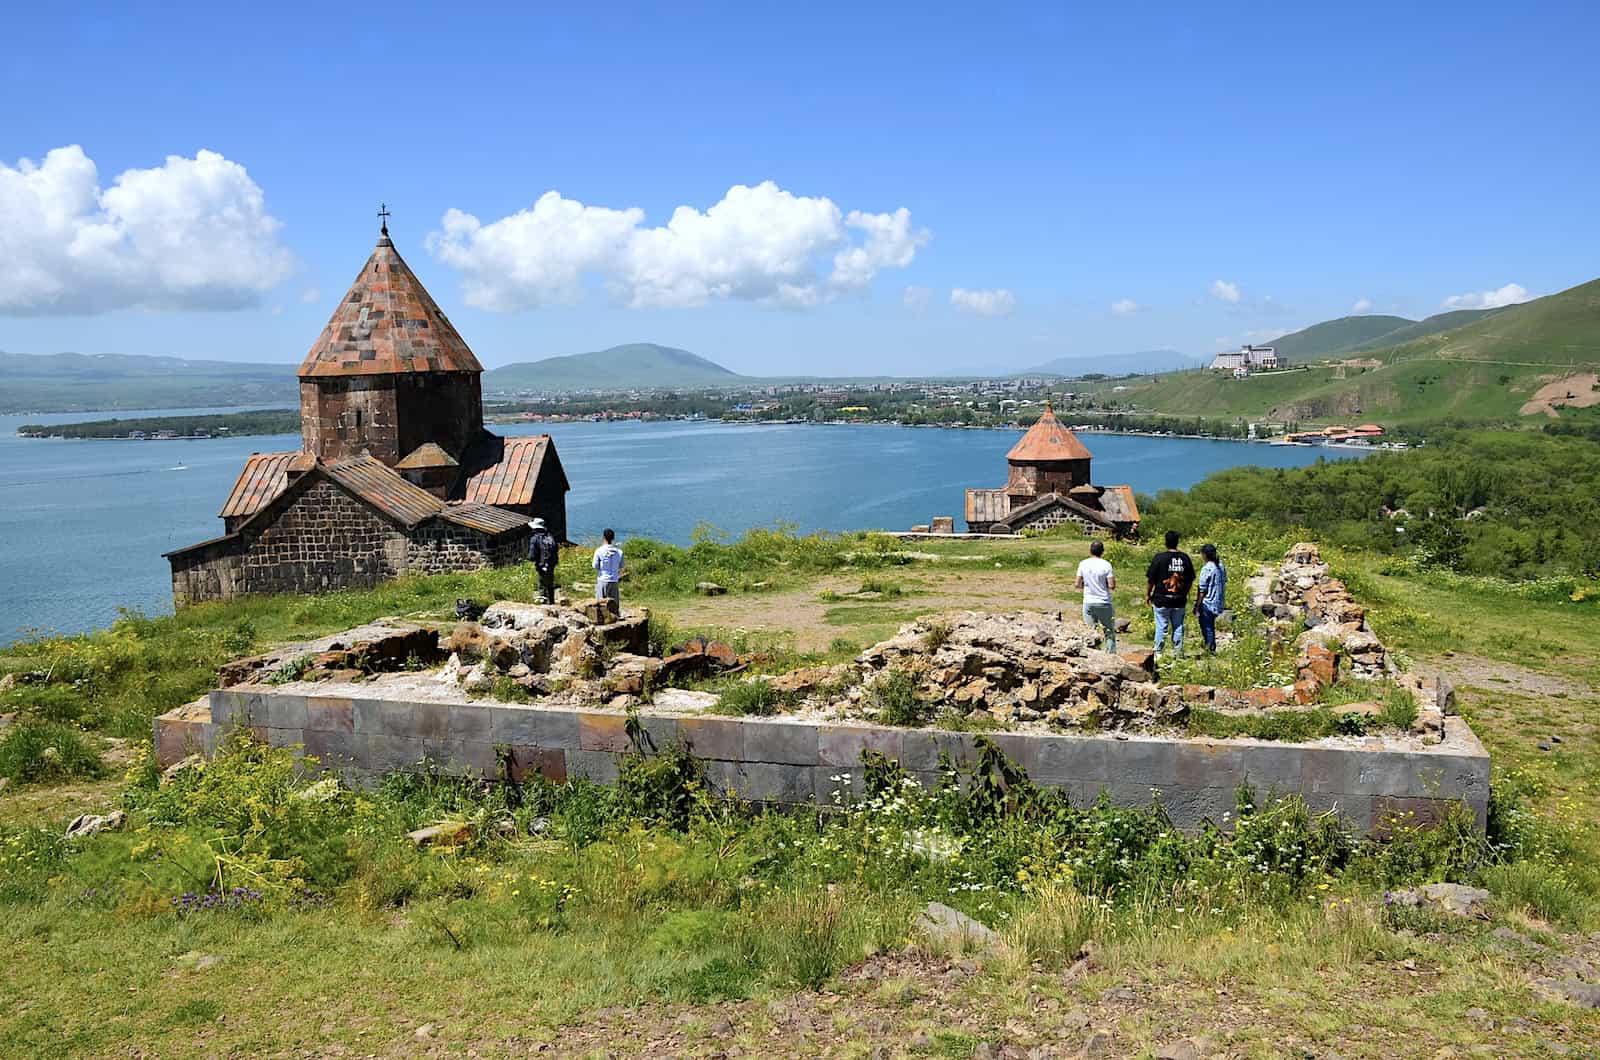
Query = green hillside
x=1334 y=336
x=1488 y=370
x=76 y=382
x=636 y=365
x=1456 y=318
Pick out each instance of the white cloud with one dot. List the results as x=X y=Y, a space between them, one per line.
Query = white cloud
x=1510 y=294
x=1362 y=305
x=1228 y=292
x=916 y=297
x=996 y=303
x=759 y=244
x=192 y=234
x=1124 y=307
x=310 y=294
x=277 y=310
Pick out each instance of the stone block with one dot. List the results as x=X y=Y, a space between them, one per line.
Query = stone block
x=333 y=749
x=515 y=725
x=416 y=721
x=1355 y=810
x=471 y=722
x=842 y=745
x=1391 y=814
x=526 y=763
x=1270 y=769
x=1191 y=807
x=445 y=755
x=660 y=734
x=283 y=737
x=1325 y=771
x=1208 y=764
x=326 y=714
x=603 y=732
x=1021 y=748
x=599 y=767
x=1071 y=758
x=713 y=738
x=237 y=708
x=780 y=782
x=559 y=728
x=1152 y=763
x=780 y=741
x=286 y=712
x=922 y=748
x=389 y=754
x=367 y=716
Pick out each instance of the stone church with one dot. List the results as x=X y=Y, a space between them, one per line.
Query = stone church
x=1049 y=485
x=396 y=473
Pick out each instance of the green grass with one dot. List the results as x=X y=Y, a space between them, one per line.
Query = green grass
x=45 y=752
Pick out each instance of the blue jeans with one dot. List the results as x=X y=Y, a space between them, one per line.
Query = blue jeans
x=1208 y=625
x=1169 y=618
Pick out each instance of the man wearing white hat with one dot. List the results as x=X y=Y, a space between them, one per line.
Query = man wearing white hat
x=545 y=552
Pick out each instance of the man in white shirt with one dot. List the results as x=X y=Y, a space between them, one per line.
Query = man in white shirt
x=608 y=570
x=1097 y=579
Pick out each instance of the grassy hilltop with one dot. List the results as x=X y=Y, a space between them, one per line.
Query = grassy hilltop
x=250 y=909
x=1484 y=370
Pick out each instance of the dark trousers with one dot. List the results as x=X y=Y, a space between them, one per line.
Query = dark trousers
x=547 y=586
x=1208 y=625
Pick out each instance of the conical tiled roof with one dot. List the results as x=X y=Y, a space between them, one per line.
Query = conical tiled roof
x=1048 y=440
x=387 y=324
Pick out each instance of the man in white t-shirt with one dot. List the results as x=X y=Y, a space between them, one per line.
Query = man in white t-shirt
x=608 y=569
x=1097 y=579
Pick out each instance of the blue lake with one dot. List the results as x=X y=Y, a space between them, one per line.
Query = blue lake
x=83 y=524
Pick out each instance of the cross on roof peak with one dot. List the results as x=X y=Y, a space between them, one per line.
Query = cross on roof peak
x=383 y=219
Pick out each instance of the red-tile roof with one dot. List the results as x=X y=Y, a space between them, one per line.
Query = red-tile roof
x=387 y=324
x=507 y=470
x=1047 y=440
x=263 y=478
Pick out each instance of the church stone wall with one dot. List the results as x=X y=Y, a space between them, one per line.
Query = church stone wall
x=325 y=539
x=340 y=417
x=440 y=547
x=445 y=408
x=1056 y=516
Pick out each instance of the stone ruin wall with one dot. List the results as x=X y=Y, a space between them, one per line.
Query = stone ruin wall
x=325 y=539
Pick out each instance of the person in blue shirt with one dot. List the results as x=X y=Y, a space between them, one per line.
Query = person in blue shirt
x=1211 y=589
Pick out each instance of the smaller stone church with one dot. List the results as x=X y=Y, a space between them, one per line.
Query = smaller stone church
x=1048 y=486
x=396 y=473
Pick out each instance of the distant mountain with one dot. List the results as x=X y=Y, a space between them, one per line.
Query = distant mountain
x=636 y=365
x=1143 y=363
x=74 y=382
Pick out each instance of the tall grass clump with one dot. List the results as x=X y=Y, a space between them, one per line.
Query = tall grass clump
x=42 y=752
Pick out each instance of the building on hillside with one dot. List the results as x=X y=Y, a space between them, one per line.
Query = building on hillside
x=1247 y=359
x=396 y=473
x=1049 y=485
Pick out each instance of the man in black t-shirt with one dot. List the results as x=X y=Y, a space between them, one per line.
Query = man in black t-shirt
x=1167 y=591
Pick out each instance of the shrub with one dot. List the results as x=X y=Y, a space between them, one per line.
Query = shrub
x=1399 y=709
x=33 y=752
x=754 y=696
x=894 y=694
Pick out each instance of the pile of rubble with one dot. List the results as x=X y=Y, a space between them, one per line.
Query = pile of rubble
x=1302 y=590
x=1014 y=667
x=589 y=654
x=386 y=645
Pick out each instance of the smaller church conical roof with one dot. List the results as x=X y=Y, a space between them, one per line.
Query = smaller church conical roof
x=1047 y=440
x=387 y=324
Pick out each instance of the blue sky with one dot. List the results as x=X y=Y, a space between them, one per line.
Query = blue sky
x=1216 y=173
